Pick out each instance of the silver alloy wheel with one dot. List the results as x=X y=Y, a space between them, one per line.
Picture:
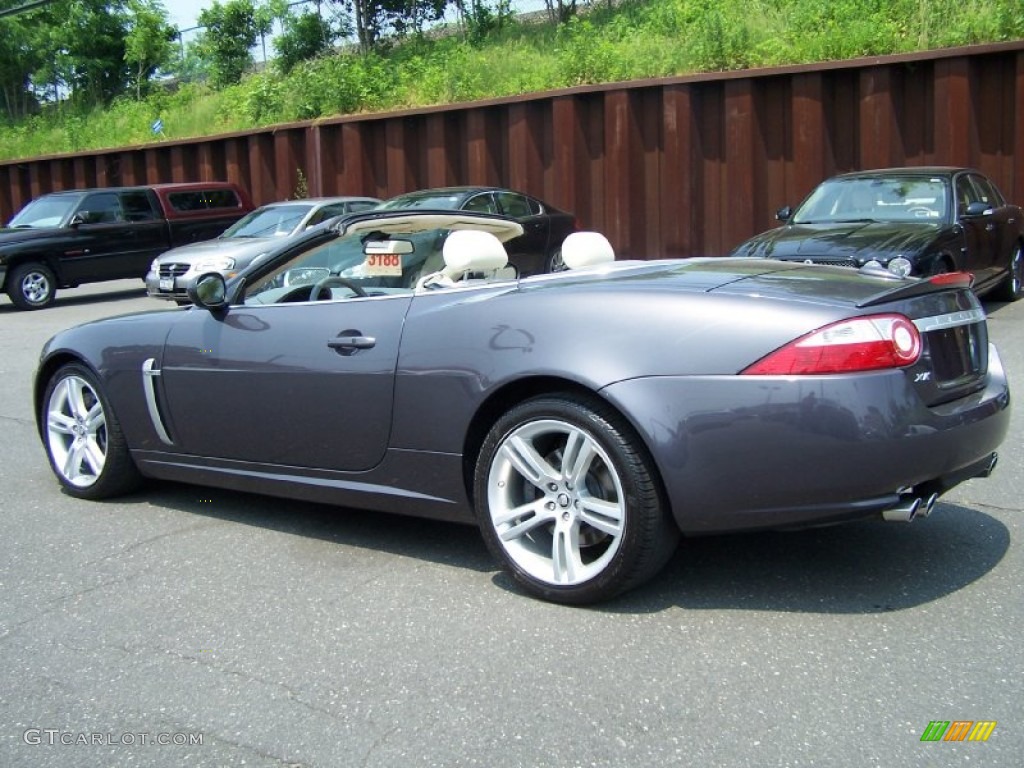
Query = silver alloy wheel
x=76 y=431
x=1016 y=270
x=35 y=287
x=556 y=502
x=556 y=263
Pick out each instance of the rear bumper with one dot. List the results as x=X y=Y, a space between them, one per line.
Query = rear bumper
x=742 y=453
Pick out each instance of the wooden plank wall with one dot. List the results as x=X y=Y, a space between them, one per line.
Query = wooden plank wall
x=671 y=167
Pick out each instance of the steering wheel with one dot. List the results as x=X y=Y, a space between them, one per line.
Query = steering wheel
x=920 y=212
x=330 y=282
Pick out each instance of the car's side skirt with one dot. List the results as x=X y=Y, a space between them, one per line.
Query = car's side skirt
x=413 y=483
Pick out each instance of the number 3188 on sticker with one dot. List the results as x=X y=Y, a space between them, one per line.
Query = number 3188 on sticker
x=383 y=265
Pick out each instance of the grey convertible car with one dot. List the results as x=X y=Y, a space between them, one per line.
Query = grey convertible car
x=582 y=419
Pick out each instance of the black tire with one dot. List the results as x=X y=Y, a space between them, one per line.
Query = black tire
x=1012 y=288
x=83 y=438
x=31 y=286
x=574 y=542
x=554 y=262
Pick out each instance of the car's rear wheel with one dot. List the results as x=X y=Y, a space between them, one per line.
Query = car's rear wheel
x=1012 y=288
x=568 y=501
x=83 y=437
x=32 y=286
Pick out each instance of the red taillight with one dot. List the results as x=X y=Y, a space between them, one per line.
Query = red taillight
x=861 y=344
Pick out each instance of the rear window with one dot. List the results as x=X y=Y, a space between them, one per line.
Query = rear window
x=202 y=199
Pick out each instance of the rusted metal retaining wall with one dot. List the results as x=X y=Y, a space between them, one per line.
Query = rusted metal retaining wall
x=670 y=167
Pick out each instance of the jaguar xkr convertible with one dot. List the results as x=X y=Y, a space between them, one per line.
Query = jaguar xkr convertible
x=583 y=420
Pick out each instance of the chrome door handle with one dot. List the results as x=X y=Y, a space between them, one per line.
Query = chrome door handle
x=352 y=342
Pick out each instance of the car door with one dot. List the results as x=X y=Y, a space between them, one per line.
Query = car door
x=149 y=235
x=1000 y=225
x=981 y=230
x=528 y=252
x=98 y=240
x=299 y=385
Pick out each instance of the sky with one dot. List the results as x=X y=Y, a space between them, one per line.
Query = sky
x=183 y=13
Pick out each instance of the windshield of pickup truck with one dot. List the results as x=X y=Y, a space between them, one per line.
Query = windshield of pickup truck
x=44 y=212
x=276 y=221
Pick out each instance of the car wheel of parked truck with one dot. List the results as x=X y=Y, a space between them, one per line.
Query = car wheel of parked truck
x=32 y=286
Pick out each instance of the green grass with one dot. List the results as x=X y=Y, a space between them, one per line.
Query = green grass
x=637 y=40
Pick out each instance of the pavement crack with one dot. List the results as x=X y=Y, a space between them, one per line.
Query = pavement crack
x=58 y=602
x=996 y=507
x=18 y=420
x=377 y=743
x=88 y=590
x=290 y=692
x=284 y=761
x=158 y=537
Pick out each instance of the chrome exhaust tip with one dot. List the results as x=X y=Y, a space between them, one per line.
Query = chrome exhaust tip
x=903 y=513
x=993 y=460
x=928 y=505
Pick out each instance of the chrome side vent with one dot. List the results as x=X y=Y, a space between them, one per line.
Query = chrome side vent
x=149 y=373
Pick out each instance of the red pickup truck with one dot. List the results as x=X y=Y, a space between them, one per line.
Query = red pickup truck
x=65 y=239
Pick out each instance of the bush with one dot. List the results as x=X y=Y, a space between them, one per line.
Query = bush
x=501 y=56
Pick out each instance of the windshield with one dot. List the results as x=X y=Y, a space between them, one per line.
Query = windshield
x=45 y=212
x=892 y=198
x=397 y=262
x=279 y=221
x=443 y=202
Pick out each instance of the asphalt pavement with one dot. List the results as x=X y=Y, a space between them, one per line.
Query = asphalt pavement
x=189 y=626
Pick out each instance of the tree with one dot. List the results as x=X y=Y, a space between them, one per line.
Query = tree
x=149 y=45
x=560 y=11
x=267 y=13
x=374 y=18
x=305 y=36
x=230 y=33
x=82 y=51
x=19 y=58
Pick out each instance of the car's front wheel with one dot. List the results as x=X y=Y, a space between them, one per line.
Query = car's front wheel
x=31 y=286
x=83 y=437
x=1012 y=287
x=555 y=262
x=568 y=501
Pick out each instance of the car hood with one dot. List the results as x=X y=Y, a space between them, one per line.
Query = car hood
x=858 y=241
x=229 y=247
x=10 y=236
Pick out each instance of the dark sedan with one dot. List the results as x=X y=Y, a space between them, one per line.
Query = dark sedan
x=913 y=221
x=538 y=249
x=582 y=419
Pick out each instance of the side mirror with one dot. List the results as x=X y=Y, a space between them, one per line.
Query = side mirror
x=80 y=217
x=978 y=209
x=208 y=291
x=784 y=213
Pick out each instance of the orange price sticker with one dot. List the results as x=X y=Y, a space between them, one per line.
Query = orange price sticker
x=383 y=265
